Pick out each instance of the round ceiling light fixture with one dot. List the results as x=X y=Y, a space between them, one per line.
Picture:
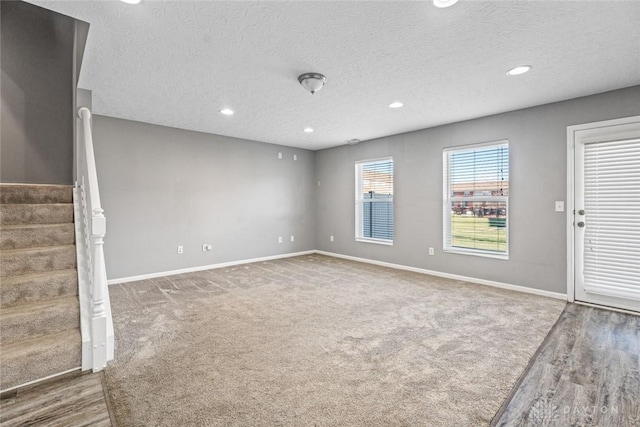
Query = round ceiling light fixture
x=521 y=69
x=396 y=105
x=131 y=1
x=308 y=130
x=312 y=82
x=353 y=141
x=444 y=3
x=227 y=111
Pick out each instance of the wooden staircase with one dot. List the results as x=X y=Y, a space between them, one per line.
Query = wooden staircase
x=39 y=309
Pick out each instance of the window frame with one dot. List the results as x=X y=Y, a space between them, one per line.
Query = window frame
x=448 y=199
x=359 y=201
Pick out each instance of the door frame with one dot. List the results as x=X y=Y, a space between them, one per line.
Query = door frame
x=570 y=211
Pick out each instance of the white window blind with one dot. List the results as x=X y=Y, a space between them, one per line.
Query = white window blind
x=374 y=201
x=476 y=199
x=612 y=217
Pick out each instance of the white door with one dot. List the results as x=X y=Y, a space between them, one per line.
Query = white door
x=607 y=214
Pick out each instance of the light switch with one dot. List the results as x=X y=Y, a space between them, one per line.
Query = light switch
x=559 y=206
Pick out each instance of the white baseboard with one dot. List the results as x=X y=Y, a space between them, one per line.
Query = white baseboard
x=524 y=289
x=205 y=267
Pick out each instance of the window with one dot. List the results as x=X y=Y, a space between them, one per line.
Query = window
x=476 y=199
x=374 y=201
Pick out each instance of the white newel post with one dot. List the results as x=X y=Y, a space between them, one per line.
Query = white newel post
x=99 y=312
x=97 y=275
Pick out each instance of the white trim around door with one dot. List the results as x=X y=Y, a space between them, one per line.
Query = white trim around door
x=572 y=169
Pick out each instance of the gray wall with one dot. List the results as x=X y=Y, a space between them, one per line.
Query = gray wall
x=538 y=154
x=37 y=61
x=163 y=187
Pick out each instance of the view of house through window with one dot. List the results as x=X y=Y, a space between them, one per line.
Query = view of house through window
x=374 y=201
x=476 y=198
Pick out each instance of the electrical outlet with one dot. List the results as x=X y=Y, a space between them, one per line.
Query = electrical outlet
x=331 y=238
x=279 y=239
x=280 y=156
x=180 y=249
x=431 y=251
x=560 y=206
x=206 y=247
x=292 y=238
x=295 y=157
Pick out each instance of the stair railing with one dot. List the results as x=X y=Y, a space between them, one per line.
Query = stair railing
x=98 y=334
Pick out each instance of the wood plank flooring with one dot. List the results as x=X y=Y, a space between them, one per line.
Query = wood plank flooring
x=73 y=400
x=586 y=373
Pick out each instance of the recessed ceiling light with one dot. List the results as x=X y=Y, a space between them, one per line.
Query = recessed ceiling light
x=396 y=105
x=308 y=130
x=227 y=111
x=519 y=70
x=444 y=3
x=130 y=1
x=353 y=141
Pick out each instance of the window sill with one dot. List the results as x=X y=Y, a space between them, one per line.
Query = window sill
x=375 y=241
x=504 y=257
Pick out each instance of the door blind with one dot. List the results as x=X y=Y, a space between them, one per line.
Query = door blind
x=612 y=217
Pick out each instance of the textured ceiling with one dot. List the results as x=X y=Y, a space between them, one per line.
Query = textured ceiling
x=177 y=63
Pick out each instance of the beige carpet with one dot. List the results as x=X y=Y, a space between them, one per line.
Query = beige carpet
x=318 y=341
